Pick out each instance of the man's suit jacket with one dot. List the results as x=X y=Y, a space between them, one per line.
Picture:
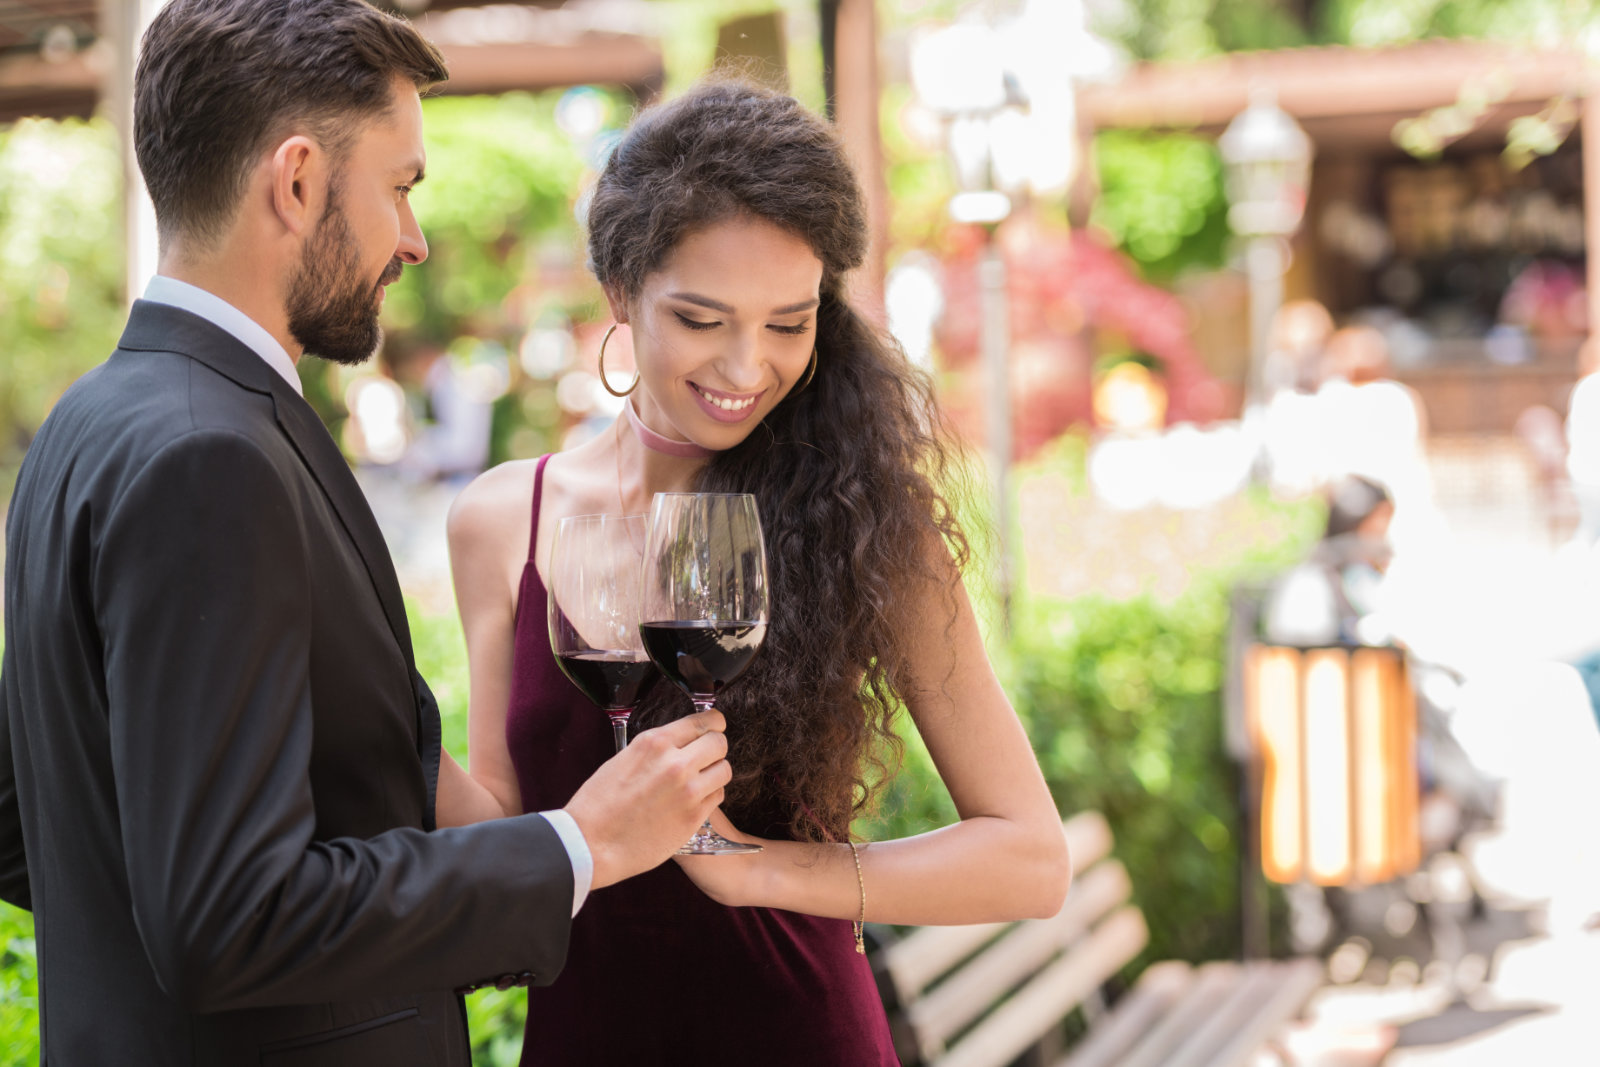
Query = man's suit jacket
x=217 y=760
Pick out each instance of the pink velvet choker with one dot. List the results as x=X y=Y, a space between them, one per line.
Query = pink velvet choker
x=665 y=445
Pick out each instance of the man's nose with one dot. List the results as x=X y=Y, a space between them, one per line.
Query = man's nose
x=413 y=247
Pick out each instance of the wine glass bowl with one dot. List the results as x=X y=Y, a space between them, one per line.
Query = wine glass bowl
x=594 y=613
x=703 y=604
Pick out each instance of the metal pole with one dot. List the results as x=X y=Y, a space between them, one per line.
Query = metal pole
x=996 y=341
x=1264 y=264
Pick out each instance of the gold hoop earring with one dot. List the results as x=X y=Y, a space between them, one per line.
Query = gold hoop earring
x=811 y=372
x=602 y=362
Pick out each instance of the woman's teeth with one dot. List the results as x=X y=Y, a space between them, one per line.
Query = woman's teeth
x=724 y=403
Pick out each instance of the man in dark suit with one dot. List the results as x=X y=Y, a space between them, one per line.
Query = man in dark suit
x=218 y=764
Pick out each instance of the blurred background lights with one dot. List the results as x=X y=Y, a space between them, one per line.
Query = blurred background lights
x=376 y=429
x=546 y=351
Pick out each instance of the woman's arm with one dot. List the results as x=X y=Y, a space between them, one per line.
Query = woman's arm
x=1005 y=859
x=488 y=532
x=462 y=799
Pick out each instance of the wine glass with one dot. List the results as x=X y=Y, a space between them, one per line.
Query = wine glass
x=594 y=612
x=704 y=604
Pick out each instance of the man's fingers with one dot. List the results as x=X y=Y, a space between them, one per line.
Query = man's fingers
x=684 y=730
x=706 y=749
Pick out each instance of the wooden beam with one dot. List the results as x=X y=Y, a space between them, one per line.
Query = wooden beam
x=856 y=96
x=1378 y=82
x=593 y=59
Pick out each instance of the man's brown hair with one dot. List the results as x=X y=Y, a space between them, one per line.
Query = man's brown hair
x=220 y=81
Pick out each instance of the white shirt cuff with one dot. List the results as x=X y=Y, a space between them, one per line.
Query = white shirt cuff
x=566 y=828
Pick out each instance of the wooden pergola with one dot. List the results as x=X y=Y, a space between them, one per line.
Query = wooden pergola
x=1349 y=100
x=63 y=58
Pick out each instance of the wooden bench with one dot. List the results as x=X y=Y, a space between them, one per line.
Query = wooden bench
x=984 y=995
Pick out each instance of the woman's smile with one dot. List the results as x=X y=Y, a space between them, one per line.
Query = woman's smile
x=726 y=407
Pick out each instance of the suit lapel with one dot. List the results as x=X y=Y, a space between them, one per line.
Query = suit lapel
x=311 y=439
x=327 y=464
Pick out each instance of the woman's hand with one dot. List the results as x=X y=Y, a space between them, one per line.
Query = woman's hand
x=733 y=881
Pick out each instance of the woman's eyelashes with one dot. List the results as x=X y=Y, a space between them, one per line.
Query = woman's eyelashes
x=698 y=325
x=695 y=324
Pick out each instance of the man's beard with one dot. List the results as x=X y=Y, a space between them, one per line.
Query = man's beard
x=333 y=311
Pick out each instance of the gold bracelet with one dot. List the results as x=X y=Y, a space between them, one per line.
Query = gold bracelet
x=861 y=883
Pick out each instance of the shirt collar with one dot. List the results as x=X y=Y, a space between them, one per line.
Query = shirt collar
x=218 y=312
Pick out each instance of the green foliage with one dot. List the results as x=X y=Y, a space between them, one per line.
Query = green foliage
x=60 y=268
x=1371 y=23
x=1194 y=29
x=19 y=993
x=441 y=654
x=1122 y=703
x=502 y=177
x=1162 y=200
x=495 y=1020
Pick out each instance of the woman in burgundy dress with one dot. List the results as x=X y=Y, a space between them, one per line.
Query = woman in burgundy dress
x=722 y=230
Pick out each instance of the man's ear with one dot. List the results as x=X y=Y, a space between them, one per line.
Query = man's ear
x=619 y=306
x=299 y=172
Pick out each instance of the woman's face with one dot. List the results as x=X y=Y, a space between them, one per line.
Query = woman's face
x=723 y=330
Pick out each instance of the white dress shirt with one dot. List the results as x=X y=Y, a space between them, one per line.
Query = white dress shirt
x=218 y=312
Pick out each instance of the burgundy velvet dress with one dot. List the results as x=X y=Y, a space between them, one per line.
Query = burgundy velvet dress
x=657 y=972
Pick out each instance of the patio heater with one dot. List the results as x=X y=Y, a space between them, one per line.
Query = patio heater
x=959 y=73
x=1267 y=160
x=1334 y=734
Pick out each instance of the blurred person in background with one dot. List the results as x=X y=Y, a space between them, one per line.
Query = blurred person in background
x=449 y=422
x=1292 y=428
x=1333 y=597
x=722 y=229
x=1374 y=427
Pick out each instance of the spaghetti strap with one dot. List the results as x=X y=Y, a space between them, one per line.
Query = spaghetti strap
x=538 y=491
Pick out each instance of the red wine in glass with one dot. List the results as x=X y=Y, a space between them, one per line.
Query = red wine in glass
x=612 y=679
x=701 y=656
x=704 y=604
x=594 y=613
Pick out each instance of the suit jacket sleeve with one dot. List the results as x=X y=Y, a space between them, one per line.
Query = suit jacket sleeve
x=202 y=594
x=13 y=859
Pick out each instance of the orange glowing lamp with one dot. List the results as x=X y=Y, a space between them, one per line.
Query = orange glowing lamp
x=1335 y=732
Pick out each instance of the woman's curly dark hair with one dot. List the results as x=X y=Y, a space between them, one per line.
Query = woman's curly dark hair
x=849 y=472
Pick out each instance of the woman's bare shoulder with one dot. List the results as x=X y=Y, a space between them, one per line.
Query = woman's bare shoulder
x=494 y=505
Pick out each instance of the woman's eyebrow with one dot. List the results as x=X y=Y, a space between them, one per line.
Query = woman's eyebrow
x=717 y=305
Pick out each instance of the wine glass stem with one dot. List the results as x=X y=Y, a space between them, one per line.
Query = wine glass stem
x=619 y=727
x=705 y=704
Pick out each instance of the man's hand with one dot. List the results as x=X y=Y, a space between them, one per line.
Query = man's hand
x=644 y=803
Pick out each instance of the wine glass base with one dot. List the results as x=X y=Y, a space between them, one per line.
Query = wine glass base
x=707 y=842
